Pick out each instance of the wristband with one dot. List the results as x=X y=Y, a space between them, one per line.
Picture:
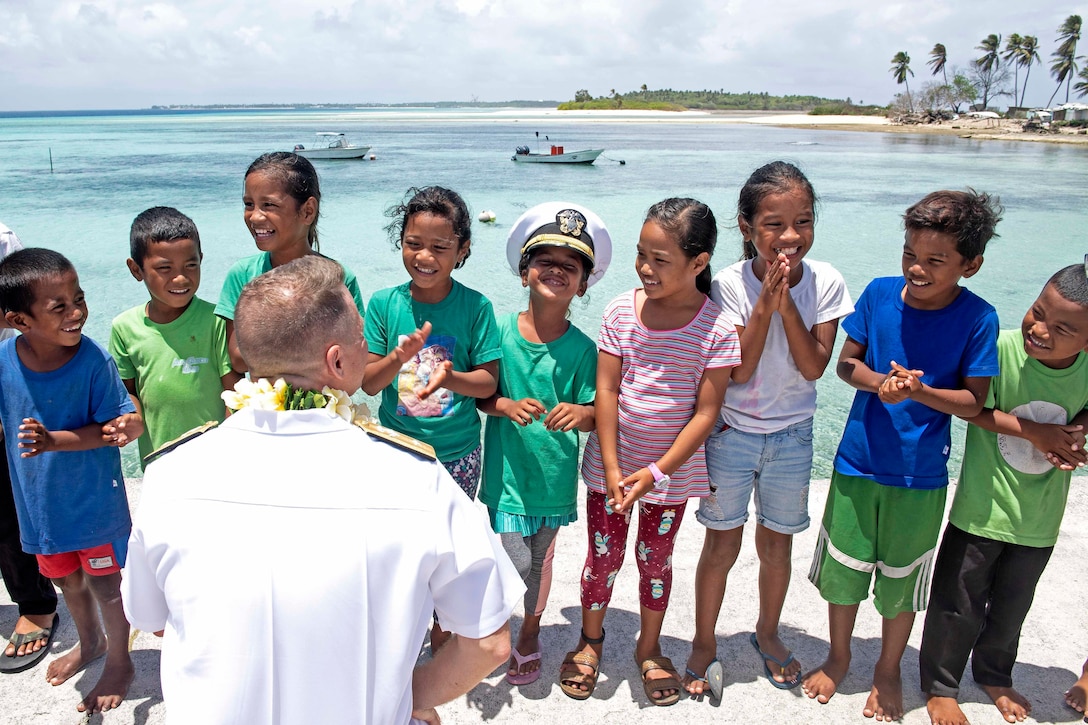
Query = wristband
x=660 y=479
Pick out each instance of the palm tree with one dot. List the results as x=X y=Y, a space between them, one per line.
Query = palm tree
x=988 y=63
x=899 y=70
x=1064 y=66
x=1014 y=46
x=1081 y=87
x=1029 y=56
x=937 y=61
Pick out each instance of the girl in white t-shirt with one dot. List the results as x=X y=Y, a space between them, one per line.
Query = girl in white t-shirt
x=786 y=310
x=664 y=357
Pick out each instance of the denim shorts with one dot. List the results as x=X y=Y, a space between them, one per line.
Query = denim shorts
x=778 y=466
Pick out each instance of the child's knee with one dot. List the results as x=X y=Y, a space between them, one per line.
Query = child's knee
x=722 y=548
x=106 y=589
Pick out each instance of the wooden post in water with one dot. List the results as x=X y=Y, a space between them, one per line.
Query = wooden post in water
x=50 y=160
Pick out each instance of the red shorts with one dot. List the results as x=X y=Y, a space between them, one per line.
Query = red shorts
x=96 y=561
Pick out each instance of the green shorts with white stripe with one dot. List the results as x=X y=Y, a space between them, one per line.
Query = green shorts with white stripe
x=871 y=529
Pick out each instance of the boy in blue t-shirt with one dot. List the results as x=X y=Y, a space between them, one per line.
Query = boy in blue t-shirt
x=171 y=351
x=66 y=412
x=920 y=348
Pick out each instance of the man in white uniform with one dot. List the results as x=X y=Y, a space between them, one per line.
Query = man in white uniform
x=294 y=560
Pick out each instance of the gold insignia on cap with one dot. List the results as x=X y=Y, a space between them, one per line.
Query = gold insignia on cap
x=571 y=221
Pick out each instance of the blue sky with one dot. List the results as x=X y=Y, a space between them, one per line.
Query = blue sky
x=130 y=54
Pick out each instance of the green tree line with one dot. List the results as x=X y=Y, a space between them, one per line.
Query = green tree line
x=708 y=100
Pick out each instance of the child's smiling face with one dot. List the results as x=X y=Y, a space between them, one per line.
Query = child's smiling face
x=1055 y=329
x=555 y=273
x=171 y=271
x=783 y=224
x=278 y=223
x=430 y=251
x=57 y=316
x=933 y=268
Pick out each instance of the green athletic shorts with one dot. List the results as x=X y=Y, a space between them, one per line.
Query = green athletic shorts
x=868 y=527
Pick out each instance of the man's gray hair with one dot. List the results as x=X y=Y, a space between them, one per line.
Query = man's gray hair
x=285 y=319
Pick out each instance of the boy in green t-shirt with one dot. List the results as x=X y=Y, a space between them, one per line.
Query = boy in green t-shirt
x=1017 y=464
x=172 y=351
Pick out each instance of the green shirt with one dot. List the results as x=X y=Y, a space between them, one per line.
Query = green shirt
x=462 y=330
x=1007 y=491
x=530 y=470
x=178 y=369
x=246 y=269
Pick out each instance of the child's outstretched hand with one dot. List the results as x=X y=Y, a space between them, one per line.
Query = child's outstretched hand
x=34 y=439
x=438 y=376
x=523 y=412
x=900 y=384
x=566 y=417
x=411 y=344
x=122 y=430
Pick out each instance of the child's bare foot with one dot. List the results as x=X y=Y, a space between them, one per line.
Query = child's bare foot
x=1076 y=696
x=822 y=683
x=699 y=660
x=26 y=624
x=80 y=656
x=945 y=711
x=1013 y=706
x=111 y=688
x=885 y=701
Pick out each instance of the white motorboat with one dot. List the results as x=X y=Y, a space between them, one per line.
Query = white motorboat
x=331 y=145
x=558 y=155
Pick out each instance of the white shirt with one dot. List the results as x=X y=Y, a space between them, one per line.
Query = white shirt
x=294 y=563
x=777 y=395
x=8 y=243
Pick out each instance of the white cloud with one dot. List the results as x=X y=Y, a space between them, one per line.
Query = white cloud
x=130 y=53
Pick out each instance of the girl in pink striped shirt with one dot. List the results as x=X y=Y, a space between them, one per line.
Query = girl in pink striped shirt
x=663 y=364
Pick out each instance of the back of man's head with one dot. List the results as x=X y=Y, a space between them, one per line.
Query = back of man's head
x=287 y=318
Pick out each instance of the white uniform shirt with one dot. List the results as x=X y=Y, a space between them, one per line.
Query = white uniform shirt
x=777 y=395
x=294 y=563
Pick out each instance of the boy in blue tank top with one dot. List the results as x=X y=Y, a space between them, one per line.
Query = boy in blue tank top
x=920 y=349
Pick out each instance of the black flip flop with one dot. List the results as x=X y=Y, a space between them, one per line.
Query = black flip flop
x=15 y=663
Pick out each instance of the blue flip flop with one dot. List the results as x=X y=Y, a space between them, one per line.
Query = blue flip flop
x=783 y=664
x=714 y=678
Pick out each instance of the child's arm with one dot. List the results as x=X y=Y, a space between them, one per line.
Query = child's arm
x=35 y=438
x=523 y=412
x=708 y=403
x=607 y=403
x=480 y=382
x=236 y=360
x=381 y=370
x=852 y=368
x=965 y=402
x=1063 y=444
x=753 y=335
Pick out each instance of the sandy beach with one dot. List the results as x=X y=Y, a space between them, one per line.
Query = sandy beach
x=1053 y=647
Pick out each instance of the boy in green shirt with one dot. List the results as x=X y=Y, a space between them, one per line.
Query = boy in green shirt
x=172 y=351
x=1017 y=464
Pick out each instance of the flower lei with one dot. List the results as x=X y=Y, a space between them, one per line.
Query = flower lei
x=263 y=395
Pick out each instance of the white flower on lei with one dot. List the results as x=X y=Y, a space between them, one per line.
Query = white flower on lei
x=338 y=403
x=260 y=394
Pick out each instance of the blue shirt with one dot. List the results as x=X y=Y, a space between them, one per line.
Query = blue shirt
x=66 y=500
x=907 y=444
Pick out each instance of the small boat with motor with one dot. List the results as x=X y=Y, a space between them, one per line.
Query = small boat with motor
x=331 y=145
x=558 y=155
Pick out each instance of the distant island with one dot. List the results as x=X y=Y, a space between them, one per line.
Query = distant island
x=706 y=100
x=341 y=106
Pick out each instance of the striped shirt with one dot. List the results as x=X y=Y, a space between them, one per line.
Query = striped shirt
x=660 y=372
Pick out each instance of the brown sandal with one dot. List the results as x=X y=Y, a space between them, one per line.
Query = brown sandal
x=571 y=680
x=661 y=684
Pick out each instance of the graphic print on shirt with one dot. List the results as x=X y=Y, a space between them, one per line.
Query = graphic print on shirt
x=190 y=365
x=1018 y=452
x=414 y=375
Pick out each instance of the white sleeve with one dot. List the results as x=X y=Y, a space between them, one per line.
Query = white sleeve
x=144 y=602
x=474 y=585
x=833 y=299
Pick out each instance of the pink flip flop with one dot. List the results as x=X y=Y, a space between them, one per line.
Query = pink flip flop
x=520 y=659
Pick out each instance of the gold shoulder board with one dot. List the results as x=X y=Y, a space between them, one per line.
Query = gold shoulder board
x=399 y=440
x=180 y=440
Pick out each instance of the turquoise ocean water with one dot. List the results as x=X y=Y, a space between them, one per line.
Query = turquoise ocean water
x=108 y=167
